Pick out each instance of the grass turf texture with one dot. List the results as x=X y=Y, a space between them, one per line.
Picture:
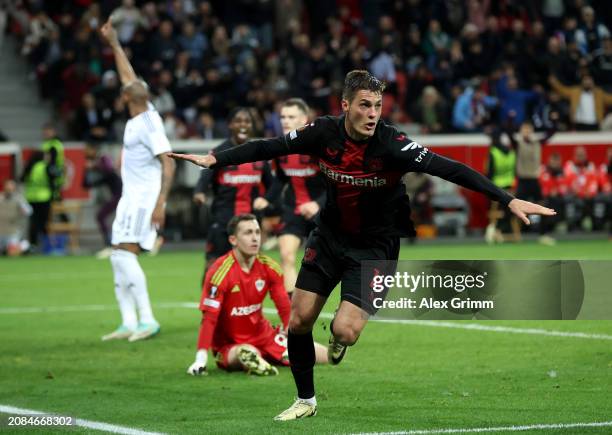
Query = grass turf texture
x=398 y=377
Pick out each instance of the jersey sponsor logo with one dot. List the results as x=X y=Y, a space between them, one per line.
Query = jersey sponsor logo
x=213 y=292
x=235 y=289
x=245 y=311
x=212 y=303
x=352 y=180
x=412 y=146
x=241 y=179
x=306 y=172
x=422 y=154
x=259 y=284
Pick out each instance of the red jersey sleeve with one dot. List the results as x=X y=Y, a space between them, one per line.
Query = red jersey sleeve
x=210 y=305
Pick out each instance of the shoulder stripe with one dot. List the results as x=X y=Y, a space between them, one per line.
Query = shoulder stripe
x=148 y=121
x=270 y=262
x=221 y=273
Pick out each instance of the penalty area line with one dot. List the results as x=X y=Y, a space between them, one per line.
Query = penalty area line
x=89 y=424
x=324 y=315
x=531 y=427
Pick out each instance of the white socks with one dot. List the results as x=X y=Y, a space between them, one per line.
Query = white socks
x=312 y=401
x=131 y=289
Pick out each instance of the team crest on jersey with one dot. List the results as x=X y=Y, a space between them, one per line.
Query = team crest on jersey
x=259 y=284
x=213 y=292
x=331 y=152
x=375 y=164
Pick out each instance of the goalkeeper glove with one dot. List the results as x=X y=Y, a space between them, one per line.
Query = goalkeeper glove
x=199 y=366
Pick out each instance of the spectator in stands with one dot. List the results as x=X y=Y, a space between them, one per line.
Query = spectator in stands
x=194 y=43
x=100 y=172
x=601 y=64
x=583 y=183
x=554 y=191
x=472 y=110
x=513 y=101
x=13 y=209
x=166 y=46
x=464 y=41
x=587 y=102
x=431 y=111
x=162 y=95
x=590 y=34
x=605 y=182
x=92 y=123
x=435 y=41
x=106 y=92
x=207 y=128
x=126 y=19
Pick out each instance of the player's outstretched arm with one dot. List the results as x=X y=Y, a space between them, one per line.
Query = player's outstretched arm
x=126 y=72
x=306 y=141
x=465 y=176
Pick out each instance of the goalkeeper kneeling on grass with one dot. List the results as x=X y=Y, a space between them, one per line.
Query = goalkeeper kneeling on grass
x=233 y=325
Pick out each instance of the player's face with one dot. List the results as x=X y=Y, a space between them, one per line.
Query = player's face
x=247 y=239
x=362 y=114
x=241 y=127
x=292 y=118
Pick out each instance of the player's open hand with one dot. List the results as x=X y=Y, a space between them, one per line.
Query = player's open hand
x=109 y=33
x=523 y=208
x=204 y=161
x=197 y=369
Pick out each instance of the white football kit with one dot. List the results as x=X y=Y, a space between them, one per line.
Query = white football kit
x=141 y=172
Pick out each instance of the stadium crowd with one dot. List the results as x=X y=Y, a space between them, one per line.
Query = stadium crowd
x=451 y=66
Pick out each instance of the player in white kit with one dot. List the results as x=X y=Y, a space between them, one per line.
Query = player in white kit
x=147 y=174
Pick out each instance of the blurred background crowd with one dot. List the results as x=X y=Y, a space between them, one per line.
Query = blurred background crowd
x=451 y=65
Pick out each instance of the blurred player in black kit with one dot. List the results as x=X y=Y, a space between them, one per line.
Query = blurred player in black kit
x=303 y=192
x=234 y=187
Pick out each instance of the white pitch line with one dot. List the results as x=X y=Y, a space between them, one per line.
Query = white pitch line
x=96 y=425
x=427 y=323
x=494 y=429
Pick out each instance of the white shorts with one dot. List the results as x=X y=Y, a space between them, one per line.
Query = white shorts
x=132 y=223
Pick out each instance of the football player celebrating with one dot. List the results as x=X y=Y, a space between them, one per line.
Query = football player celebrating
x=233 y=325
x=366 y=211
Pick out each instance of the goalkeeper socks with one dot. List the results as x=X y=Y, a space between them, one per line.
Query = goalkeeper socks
x=127 y=307
x=136 y=284
x=302 y=358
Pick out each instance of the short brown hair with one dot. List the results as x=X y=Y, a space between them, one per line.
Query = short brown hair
x=232 y=225
x=360 y=80
x=297 y=102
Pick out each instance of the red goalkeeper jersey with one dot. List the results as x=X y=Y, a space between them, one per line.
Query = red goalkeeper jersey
x=232 y=302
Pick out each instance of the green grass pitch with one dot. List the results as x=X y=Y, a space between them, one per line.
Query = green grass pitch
x=398 y=377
